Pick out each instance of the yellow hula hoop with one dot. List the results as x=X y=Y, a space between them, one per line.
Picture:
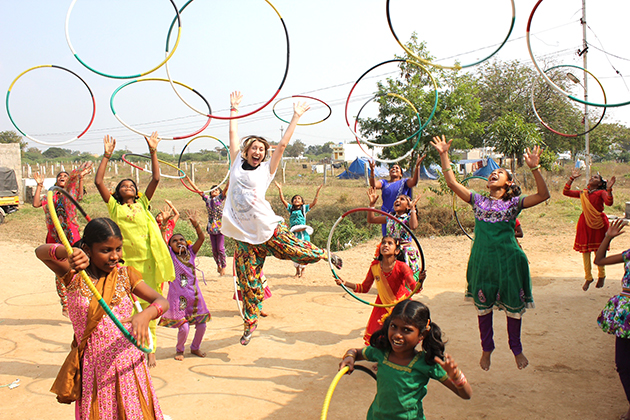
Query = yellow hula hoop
x=331 y=389
x=86 y=278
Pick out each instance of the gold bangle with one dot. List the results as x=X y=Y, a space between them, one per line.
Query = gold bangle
x=348 y=354
x=535 y=167
x=152 y=150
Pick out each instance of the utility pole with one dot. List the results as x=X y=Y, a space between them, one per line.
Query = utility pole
x=587 y=145
x=281 y=132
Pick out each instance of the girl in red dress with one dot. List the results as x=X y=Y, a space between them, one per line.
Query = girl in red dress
x=394 y=280
x=593 y=223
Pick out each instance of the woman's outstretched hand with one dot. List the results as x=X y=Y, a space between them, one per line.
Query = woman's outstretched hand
x=532 y=157
x=440 y=144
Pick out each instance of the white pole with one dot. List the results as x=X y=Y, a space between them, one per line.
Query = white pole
x=587 y=144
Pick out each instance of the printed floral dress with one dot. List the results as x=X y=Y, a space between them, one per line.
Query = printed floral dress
x=615 y=317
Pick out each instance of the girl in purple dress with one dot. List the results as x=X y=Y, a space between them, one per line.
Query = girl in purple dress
x=186 y=304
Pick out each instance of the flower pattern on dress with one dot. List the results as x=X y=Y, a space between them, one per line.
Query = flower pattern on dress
x=615 y=317
x=493 y=211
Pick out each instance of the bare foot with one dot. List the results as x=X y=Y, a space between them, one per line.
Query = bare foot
x=600 y=282
x=586 y=285
x=179 y=356
x=264 y=314
x=485 y=360
x=521 y=361
x=151 y=360
x=64 y=312
x=222 y=271
x=297 y=272
x=302 y=272
x=198 y=353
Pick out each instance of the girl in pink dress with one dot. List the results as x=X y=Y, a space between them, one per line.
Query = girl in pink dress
x=104 y=373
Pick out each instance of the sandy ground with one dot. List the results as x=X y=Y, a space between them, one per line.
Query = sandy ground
x=286 y=369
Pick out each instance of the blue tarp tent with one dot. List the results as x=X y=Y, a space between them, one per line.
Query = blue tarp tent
x=487 y=170
x=357 y=170
x=431 y=173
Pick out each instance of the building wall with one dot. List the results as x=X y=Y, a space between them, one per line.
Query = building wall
x=10 y=157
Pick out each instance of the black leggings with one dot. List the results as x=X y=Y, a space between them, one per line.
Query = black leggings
x=622 y=360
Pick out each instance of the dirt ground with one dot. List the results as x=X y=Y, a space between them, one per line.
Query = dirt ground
x=286 y=369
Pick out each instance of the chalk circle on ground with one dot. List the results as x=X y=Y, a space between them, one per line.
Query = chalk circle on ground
x=419 y=285
x=46 y=143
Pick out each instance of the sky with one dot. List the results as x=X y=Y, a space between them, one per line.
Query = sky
x=240 y=45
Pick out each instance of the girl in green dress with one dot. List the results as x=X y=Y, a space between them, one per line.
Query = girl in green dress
x=404 y=372
x=498 y=271
x=143 y=248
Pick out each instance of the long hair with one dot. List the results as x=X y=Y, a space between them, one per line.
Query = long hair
x=513 y=190
x=116 y=193
x=247 y=142
x=418 y=315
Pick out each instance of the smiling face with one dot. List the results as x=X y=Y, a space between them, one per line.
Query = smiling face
x=395 y=172
x=255 y=154
x=127 y=189
x=62 y=179
x=402 y=204
x=403 y=337
x=105 y=255
x=297 y=201
x=178 y=243
x=215 y=192
x=499 y=178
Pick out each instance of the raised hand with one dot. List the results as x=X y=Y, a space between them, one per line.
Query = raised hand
x=109 y=144
x=415 y=201
x=575 y=173
x=38 y=178
x=532 y=157
x=440 y=144
x=191 y=215
x=85 y=168
x=448 y=364
x=616 y=228
x=277 y=185
x=319 y=188
x=611 y=182
x=372 y=195
x=420 y=159
x=300 y=108
x=153 y=140
x=235 y=99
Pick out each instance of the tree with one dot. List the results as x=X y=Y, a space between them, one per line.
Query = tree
x=56 y=152
x=511 y=135
x=455 y=116
x=13 y=137
x=295 y=148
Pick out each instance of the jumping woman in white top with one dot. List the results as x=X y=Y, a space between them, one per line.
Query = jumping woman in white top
x=249 y=219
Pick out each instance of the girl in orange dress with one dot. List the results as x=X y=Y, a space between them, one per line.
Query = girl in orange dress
x=593 y=223
x=394 y=280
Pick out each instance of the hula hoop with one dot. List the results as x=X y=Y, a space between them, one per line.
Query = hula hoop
x=86 y=278
x=548 y=80
x=46 y=143
x=284 y=77
x=459 y=223
x=333 y=385
x=544 y=124
x=156 y=79
x=418 y=133
x=227 y=175
x=456 y=66
x=395 y=95
x=395 y=219
x=74 y=202
x=179 y=32
x=306 y=97
x=183 y=174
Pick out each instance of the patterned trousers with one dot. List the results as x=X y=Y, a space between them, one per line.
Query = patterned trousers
x=251 y=258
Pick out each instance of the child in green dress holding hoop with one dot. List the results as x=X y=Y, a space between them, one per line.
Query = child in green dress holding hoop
x=143 y=248
x=498 y=271
x=403 y=372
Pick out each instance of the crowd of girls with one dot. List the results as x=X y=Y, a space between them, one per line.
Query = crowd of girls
x=134 y=253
